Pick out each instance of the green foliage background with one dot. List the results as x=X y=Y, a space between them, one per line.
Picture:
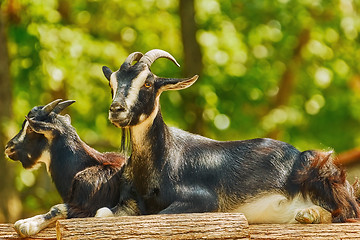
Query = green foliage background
x=57 y=49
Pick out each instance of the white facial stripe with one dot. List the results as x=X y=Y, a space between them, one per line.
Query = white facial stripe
x=113 y=83
x=136 y=84
x=23 y=133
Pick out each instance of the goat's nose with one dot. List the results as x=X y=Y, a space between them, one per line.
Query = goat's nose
x=117 y=107
x=9 y=144
x=9 y=148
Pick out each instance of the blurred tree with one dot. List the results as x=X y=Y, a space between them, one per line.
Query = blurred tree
x=7 y=190
x=192 y=63
x=287 y=81
x=284 y=68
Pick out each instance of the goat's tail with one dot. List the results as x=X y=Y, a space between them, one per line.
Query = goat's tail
x=325 y=183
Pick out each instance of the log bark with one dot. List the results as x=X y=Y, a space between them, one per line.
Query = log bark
x=7 y=232
x=187 y=226
x=305 y=231
x=173 y=226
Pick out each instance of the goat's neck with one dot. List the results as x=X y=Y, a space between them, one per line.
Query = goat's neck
x=68 y=157
x=148 y=140
x=148 y=147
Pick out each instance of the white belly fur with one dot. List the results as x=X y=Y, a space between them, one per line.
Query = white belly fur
x=273 y=208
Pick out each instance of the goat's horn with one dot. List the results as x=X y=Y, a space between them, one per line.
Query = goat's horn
x=150 y=57
x=50 y=106
x=61 y=106
x=135 y=56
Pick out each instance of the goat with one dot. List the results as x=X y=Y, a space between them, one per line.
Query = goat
x=85 y=178
x=174 y=171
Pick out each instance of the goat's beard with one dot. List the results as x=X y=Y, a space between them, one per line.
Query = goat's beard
x=125 y=146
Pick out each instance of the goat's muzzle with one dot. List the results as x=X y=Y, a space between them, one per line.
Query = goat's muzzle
x=117 y=107
x=118 y=114
x=10 y=151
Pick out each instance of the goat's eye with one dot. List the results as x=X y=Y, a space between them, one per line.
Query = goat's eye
x=147 y=84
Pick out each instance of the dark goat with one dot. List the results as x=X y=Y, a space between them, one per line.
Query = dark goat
x=178 y=172
x=85 y=178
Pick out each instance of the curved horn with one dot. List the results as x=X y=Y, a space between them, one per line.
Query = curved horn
x=150 y=57
x=50 y=106
x=135 y=56
x=61 y=106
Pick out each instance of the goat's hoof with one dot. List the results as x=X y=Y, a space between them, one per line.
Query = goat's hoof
x=306 y=216
x=104 y=212
x=315 y=214
x=26 y=227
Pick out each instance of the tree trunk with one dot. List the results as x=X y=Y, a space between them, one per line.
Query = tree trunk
x=192 y=52
x=192 y=63
x=6 y=183
x=288 y=79
x=287 y=82
x=348 y=157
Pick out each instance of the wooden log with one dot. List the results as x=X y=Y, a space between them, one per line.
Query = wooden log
x=305 y=231
x=173 y=226
x=187 y=226
x=7 y=232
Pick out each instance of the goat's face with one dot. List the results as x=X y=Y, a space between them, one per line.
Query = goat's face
x=27 y=146
x=136 y=90
x=41 y=125
x=128 y=85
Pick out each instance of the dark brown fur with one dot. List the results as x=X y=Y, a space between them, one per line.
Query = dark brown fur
x=320 y=177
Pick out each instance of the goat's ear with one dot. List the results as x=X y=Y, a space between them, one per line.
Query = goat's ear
x=107 y=72
x=175 y=83
x=39 y=126
x=67 y=118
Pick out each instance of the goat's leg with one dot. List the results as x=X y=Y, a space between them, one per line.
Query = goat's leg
x=185 y=207
x=181 y=207
x=127 y=208
x=30 y=226
x=197 y=205
x=104 y=212
x=193 y=199
x=314 y=214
